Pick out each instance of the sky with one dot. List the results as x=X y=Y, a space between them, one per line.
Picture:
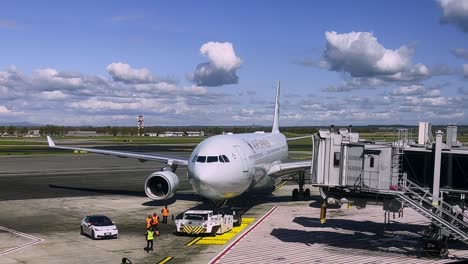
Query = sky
x=178 y=63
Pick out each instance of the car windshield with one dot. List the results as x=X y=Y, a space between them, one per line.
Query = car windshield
x=100 y=221
x=196 y=217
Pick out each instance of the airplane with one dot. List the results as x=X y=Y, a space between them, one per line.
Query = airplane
x=222 y=167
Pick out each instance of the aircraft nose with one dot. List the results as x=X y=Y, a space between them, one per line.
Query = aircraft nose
x=216 y=183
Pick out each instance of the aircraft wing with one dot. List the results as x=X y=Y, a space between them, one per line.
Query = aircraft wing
x=281 y=168
x=297 y=138
x=122 y=154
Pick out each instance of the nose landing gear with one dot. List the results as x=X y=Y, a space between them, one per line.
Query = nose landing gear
x=301 y=193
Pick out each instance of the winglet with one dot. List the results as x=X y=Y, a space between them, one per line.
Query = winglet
x=51 y=142
x=275 y=128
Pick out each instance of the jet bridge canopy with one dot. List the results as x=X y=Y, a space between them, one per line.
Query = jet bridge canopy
x=340 y=160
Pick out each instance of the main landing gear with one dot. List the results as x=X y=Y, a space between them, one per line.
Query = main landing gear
x=301 y=193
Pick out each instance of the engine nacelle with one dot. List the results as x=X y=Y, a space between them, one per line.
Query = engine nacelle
x=161 y=185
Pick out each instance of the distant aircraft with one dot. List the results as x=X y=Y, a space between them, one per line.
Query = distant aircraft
x=223 y=166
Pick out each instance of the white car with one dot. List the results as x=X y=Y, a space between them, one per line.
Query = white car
x=98 y=226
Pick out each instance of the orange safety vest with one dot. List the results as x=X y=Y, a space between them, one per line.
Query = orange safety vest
x=165 y=212
x=155 y=220
x=148 y=222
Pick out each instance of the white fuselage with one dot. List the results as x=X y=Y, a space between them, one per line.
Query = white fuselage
x=225 y=166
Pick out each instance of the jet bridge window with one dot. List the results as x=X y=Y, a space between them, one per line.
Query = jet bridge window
x=201 y=159
x=212 y=159
x=336 y=159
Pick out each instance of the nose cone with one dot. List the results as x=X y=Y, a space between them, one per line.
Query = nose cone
x=217 y=181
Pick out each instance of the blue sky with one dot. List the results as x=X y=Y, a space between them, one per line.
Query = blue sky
x=216 y=63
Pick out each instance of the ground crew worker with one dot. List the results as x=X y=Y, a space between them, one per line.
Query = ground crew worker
x=148 y=221
x=165 y=214
x=155 y=221
x=149 y=239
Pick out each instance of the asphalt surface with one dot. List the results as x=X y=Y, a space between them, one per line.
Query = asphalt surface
x=71 y=175
x=46 y=196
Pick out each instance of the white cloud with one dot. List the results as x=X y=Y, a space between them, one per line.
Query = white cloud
x=361 y=55
x=455 y=12
x=53 y=95
x=125 y=73
x=53 y=76
x=460 y=53
x=221 y=68
x=4 y=110
x=409 y=90
x=222 y=55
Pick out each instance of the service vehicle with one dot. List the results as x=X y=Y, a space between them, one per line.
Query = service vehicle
x=98 y=226
x=206 y=222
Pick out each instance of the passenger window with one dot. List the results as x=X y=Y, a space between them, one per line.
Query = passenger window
x=221 y=158
x=225 y=158
x=336 y=159
x=201 y=159
x=194 y=158
x=212 y=159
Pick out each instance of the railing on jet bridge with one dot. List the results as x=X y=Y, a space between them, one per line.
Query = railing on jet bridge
x=444 y=215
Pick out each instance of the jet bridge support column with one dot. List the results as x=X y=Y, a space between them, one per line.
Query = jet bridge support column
x=437 y=161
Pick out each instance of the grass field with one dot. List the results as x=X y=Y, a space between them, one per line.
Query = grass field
x=29 y=145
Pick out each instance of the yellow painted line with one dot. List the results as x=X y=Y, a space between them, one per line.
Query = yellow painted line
x=224 y=238
x=165 y=260
x=193 y=241
x=283 y=183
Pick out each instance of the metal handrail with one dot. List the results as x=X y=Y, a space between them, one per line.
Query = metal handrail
x=453 y=219
x=439 y=219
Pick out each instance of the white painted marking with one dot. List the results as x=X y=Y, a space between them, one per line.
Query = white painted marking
x=34 y=241
x=241 y=237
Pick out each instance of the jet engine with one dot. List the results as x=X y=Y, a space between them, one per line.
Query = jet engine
x=161 y=185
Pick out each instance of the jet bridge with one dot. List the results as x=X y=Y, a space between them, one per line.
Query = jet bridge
x=346 y=167
x=345 y=163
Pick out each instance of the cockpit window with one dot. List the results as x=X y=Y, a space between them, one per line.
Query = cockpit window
x=201 y=159
x=194 y=158
x=221 y=158
x=225 y=158
x=212 y=159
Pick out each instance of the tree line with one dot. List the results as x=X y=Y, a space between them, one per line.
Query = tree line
x=53 y=130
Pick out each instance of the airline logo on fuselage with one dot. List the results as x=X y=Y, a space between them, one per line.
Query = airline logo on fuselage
x=258 y=144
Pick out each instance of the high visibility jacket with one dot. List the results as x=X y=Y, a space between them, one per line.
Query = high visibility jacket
x=165 y=212
x=148 y=222
x=155 y=220
x=149 y=235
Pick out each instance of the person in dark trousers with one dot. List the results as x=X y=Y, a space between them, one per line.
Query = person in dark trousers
x=165 y=214
x=154 y=223
x=149 y=239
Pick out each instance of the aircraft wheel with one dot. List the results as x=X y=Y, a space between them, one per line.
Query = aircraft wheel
x=214 y=230
x=239 y=221
x=307 y=195
x=295 y=195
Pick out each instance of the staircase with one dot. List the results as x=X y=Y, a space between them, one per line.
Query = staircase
x=444 y=215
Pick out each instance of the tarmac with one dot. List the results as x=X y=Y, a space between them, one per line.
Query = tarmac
x=43 y=199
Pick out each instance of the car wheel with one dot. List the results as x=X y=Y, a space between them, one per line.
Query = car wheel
x=81 y=231
x=92 y=235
